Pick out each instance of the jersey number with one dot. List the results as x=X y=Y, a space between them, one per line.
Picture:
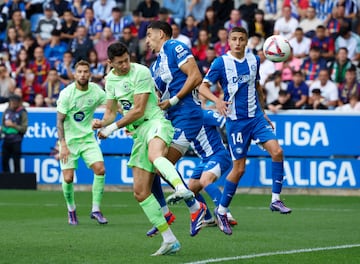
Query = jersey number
x=237 y=138
x=179 y=48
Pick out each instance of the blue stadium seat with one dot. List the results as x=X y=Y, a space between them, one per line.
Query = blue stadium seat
x=34 y=19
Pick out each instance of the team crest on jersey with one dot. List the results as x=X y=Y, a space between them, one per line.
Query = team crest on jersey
x=126 y=105
x=79 y=116
x=239 y=150
x=126 y=87
x=91 y=101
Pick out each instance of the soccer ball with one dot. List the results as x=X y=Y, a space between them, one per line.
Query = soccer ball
x=276 y=48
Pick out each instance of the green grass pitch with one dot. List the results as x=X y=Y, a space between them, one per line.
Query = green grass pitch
x=34 y=229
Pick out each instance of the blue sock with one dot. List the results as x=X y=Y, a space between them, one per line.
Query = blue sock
x=277 y=176
x=228 y=193
x=214 y=192
x=157 y=191
x=190 y=202
x=201 y=198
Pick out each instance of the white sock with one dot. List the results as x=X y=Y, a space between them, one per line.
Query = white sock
x=222 y=210
x=168 y=236
x=194 y=207
x=71 y=207
x=165 y=209
x=95 y=208
x=275 y=197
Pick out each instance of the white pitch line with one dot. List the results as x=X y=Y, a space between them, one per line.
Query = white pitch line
x=295 y=251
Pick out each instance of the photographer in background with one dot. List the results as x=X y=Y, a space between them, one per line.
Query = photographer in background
x=14 y=125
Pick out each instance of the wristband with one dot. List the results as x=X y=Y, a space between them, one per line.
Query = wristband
x=107 y=131
x=174 y=100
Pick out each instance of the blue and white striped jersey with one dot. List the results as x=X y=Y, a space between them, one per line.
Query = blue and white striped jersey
x=208 y=141
x=170 y=79
x=238 y=80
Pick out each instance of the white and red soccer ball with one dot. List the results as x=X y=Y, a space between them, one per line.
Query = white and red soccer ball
x=276 y=48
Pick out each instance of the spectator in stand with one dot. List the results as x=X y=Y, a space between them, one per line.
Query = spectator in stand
x=286 y=24
x=201 y=45
x=222 y=46
x=223 y=9
x=272 y=9
x=14 y=125
x=132 y=43
x=283 y=102
x=316 y=101
x=211 y=23
x=324 y=43
x=204 y=66
x=298 y=90
x=97 y=70
x=310 y=22
x=328 y=88
x=197 y=9
x=81 y=44
x=190 y=29
x=30 y=44
x=255 y=43
x=300 y=44
x=39 y=101
x=68 y=27
x=247 y=10
x=12 y=45
x=349 y=40
x=21 y=25
x=7 y=84
x=54 y=51
x=59 y=6
x=19 y=66
x=266 y=69
x=273 y=86
x=260 y=26
x=323 y=9
x=164 y=15
x=18 y=91
x=40 y=66
x=312 y=65
x=351 y=8
x=149 y=10
x=350 y=87
x=288 y=67
x=117 y=22
x=177 y=9
x=66 y=68
x=352 y=106
x=33 y=8
x=337 y=20
x=180 y=37
x=298 y=8
x=101 y=46
x=12 y=5
x=29 y=87
x=235 y=21
x=52 y=88
x=103 y=9
x=78 y=8
x=339 y=67
x=93 y=25
x=46 y=25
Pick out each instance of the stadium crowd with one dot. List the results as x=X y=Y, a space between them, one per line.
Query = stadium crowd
x=40 y=42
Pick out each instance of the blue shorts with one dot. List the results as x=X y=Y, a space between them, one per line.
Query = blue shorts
x=186 y=129
x=219 y=164
x=241 y=132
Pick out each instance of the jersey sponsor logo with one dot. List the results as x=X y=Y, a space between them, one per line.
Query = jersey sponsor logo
x=241 y=78
x=79 y=116
x=126 y=105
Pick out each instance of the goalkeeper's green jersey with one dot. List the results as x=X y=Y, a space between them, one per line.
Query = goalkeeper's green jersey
x=79 y=108
x=137 y=81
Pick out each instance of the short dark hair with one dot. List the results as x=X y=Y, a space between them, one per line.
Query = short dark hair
x=238 y=29
x=165 y=27
x=82 y=63
x=116 y=49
